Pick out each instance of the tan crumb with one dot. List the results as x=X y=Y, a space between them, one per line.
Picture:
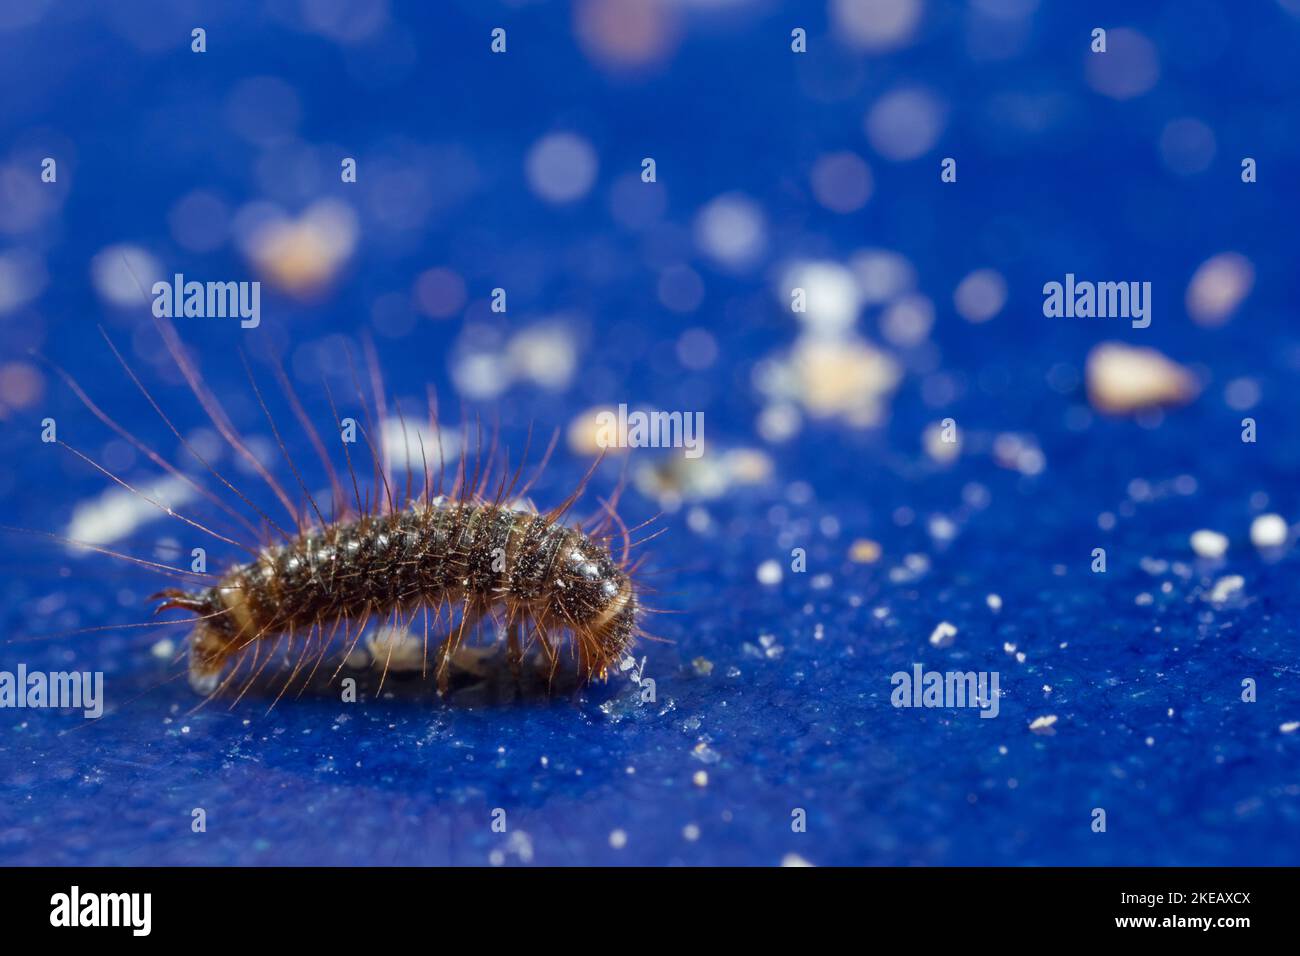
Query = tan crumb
x=864 y=551
x=584 y=431
x=1122 y=379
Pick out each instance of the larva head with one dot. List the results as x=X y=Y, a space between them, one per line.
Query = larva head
x=215 y=639
x=208 y=650
x=211 y=643
x=598 y=600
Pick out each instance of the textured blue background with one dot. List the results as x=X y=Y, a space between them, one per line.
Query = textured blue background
x=1150 y=725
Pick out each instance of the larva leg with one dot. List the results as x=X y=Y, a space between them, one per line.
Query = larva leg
x=468 y=622
x=551 y=652
x=298 y=665
x=514 y=651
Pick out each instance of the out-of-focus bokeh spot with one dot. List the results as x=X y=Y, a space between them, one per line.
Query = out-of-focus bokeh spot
x=299 y=255
x=1218 y=287
x=876 y=25
x=732 y=230
x=561 y=167
x=124 y=275
x=1129 y=67
x=906 y=123
x=842 y=181
x=981 y=295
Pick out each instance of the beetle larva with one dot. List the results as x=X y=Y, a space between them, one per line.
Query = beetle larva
x=442 y=553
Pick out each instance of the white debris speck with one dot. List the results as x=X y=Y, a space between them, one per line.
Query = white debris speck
x=618 y=839
x=942 y=528
x=994 y=601
x=769 y=573
x=397 y=650
x=831 y=296
x=1268 y=531
x=701 y=778
x=944 y=635
x=164 y=649
x=118 y=512
x=1225 y=588
x=704 y=753
x=1044 y=724
x=794 y=859
x=1209 y=544
x=1290 y=727
x=691 y=832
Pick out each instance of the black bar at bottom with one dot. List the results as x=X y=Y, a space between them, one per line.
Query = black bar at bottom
x=335 y=905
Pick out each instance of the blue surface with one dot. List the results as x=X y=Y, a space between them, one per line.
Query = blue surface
x=795 y=712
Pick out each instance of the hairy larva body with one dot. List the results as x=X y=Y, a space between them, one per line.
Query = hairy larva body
x=443 y=554
x=401 y=558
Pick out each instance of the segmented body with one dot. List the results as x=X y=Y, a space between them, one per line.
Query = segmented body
x=461 y=555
